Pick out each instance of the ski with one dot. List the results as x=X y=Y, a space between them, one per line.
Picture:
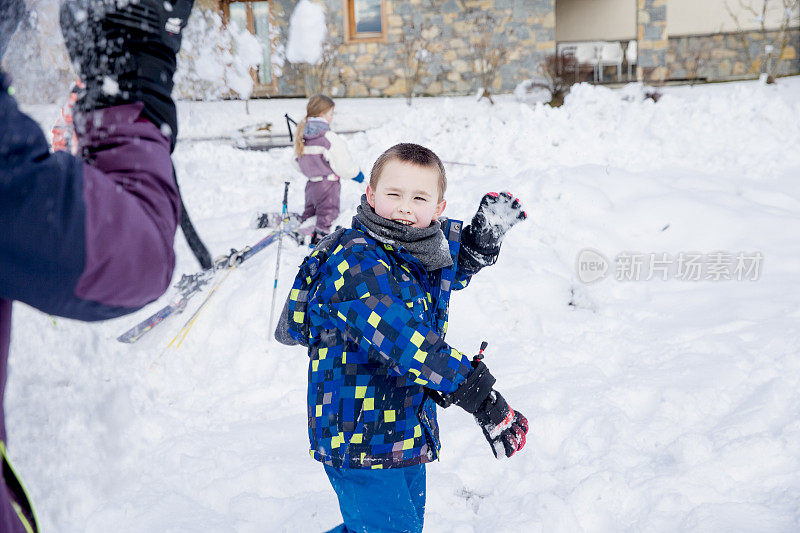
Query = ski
x=272 y=219
x=192 y=284
x=301 y=233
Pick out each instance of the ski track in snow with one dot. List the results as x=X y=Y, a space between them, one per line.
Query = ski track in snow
x=653 y=405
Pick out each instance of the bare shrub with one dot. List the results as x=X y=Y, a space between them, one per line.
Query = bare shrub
x=653 y=80
x=653 y=94
x=759 y=9
x=552 y=77
x=488 y=51
x=320 y=75
x=698 y=59
x=415 y=55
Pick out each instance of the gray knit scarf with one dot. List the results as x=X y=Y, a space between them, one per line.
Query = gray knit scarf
x=426 y=244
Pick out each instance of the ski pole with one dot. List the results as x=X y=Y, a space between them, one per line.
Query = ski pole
x=190 y=322
x=192 y=238
x=278 y=260
x=288 y=126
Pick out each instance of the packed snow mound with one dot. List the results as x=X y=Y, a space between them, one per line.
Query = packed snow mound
x=745 y=134
x=307 y=31
x=695 y=128
x=215 y=59
x=653 y=405
x=525 y=91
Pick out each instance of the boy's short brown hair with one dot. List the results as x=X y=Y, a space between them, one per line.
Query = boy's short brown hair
x=409 y=153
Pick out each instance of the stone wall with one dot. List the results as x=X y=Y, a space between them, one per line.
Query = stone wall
x=651 y=21
x=525 y=28
x=723 y=56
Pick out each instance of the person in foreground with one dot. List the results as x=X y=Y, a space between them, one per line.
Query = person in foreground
x=90 y=238
x=371 y=304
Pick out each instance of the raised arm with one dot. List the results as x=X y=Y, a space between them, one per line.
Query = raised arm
x=92 y=238
x=88 y=240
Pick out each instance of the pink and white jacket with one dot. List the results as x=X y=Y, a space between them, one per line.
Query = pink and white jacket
x=325 y=155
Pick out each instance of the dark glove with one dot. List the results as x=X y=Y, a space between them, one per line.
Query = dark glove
x=125 y=52
x=359 y=178
x=480 y=243
x=504 y=428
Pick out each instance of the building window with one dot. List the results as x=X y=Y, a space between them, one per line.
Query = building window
x=254 y=16
x=365 y=20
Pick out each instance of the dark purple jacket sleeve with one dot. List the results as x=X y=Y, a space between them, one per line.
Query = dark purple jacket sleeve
x=86 y=239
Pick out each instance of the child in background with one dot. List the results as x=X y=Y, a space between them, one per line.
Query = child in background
x=371 y=304
x=322 y=156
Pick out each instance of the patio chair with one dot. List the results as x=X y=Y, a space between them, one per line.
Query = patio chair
x=586 y=53
x=610 y=54
x=630 y=56
x=565 y=51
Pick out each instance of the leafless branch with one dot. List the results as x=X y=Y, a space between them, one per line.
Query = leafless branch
x=778 y=44
x=488 y=54
x=320 y=75
x=553 y=72
x=415 y=55
x=740 y=34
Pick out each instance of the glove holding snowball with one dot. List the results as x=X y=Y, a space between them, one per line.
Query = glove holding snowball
x=125 y=52
x=481 y=240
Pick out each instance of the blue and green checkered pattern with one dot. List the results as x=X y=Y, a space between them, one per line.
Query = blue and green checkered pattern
x=374 y=321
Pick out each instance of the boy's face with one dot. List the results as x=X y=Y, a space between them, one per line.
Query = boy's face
x=407 y=193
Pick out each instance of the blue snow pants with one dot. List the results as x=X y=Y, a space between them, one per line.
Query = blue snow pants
x=379 y=501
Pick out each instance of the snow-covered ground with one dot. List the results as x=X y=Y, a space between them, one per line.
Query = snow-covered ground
x=654 y=405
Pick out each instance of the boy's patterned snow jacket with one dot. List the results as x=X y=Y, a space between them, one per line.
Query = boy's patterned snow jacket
x=374 y=322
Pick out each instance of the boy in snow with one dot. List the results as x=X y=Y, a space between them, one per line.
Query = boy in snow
x=371 y=304
x=90 y=238
x=322 y=157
